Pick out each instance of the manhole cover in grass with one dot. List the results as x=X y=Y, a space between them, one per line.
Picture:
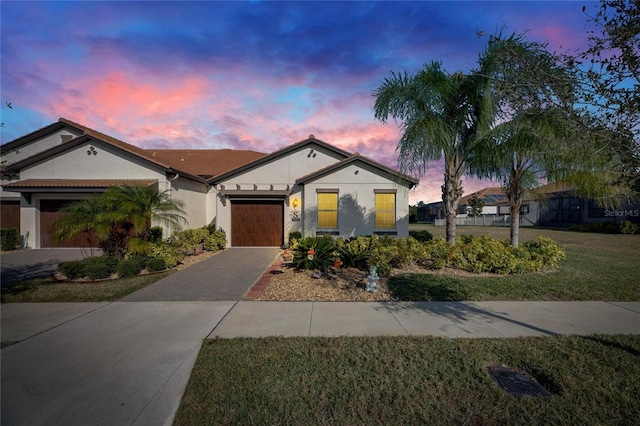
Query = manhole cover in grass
x=516 y=382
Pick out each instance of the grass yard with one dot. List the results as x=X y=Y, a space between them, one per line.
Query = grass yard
x=593 y=380
x=45 y=290
x=597 y=267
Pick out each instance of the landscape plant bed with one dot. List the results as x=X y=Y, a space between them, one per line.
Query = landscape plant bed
x=592 y=380
x=597 y=267
x=346 y=284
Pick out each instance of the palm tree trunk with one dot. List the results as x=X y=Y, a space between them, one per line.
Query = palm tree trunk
x=514 y=215
x=451 y=193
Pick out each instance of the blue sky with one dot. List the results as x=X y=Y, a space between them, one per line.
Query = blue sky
x=247 y=75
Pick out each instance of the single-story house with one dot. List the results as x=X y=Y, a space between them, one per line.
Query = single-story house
x=560 y=207
x=256 y=198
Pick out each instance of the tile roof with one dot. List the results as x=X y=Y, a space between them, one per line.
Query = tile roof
x=491 y=196
x=98 y=135
x=204 y=162
x=77 y=183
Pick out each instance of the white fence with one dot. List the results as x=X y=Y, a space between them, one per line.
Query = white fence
x=486 y=220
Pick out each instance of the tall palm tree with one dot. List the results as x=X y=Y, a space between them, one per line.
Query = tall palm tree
x=538 y=135
x=140 y=205
x=442 y=115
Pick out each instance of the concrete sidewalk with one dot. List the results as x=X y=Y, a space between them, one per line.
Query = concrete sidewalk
x=100 y=363
x=129 y=363
x=445 y=319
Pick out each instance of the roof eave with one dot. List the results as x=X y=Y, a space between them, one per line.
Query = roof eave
x=275 y=155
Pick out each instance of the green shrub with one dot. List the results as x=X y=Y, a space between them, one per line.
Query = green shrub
x=314 y=252
x=170 y=254
x=544 y=253
x=96 y=268
x=217 y=240
x=155 y=234
x=356 y=251
x=190 y=238
x=578 y=228
x=131 y=266
x=8 y=238
x=137 y=247
x=156 y=264
x=484 y=254
x=603 y=228
x=294 y=236
x=436 y=253
x=73 y=269
x=629 y=228
x=422 y=236
x=211 y=228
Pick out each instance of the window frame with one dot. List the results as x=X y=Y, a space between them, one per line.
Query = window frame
x=319 y=193
x=394 y=212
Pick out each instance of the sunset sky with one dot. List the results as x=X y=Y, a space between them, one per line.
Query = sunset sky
x=254 y=75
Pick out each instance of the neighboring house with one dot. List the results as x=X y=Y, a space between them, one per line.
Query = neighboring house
x=564 y=208
x=560 y=207
x=257 y=199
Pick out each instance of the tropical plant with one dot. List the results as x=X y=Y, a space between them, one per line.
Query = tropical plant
x=140 y=205
x=611 y=80
x=442 y=115
x=314 y=252
x=538 y=134
x=94 y=218
x=356 y=251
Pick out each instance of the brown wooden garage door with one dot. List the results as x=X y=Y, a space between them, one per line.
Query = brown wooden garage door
x=49 y=214
x=10 y=214
x=257 y=223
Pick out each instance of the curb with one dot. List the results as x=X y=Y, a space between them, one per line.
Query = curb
x=259 y=287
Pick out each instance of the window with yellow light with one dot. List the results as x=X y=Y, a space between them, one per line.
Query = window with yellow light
x=328 y=210
x=385 y=210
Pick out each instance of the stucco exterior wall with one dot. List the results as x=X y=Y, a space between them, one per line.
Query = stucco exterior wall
x=27 y=150
x=356 y=184
x=287 y=169
x=108 y=163
x=276 y=175
x=194 y=196
x=31 y=148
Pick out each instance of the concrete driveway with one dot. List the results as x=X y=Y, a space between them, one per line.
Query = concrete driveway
x=118 y=363
x=28 y=264
x=101 y=363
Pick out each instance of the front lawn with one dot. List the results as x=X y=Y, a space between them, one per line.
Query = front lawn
x=593 y=380
x=46 y=290
x=597 y=267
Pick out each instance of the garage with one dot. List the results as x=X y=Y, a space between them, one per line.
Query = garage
x=257 y=223
x=10 y=214
x=49 y=214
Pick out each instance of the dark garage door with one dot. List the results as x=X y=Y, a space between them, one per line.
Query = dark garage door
x=49 y=214
x=257 y=223
x=10 y=214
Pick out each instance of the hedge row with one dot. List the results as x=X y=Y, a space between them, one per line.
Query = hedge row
x=473 y=254
x=96 y=268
